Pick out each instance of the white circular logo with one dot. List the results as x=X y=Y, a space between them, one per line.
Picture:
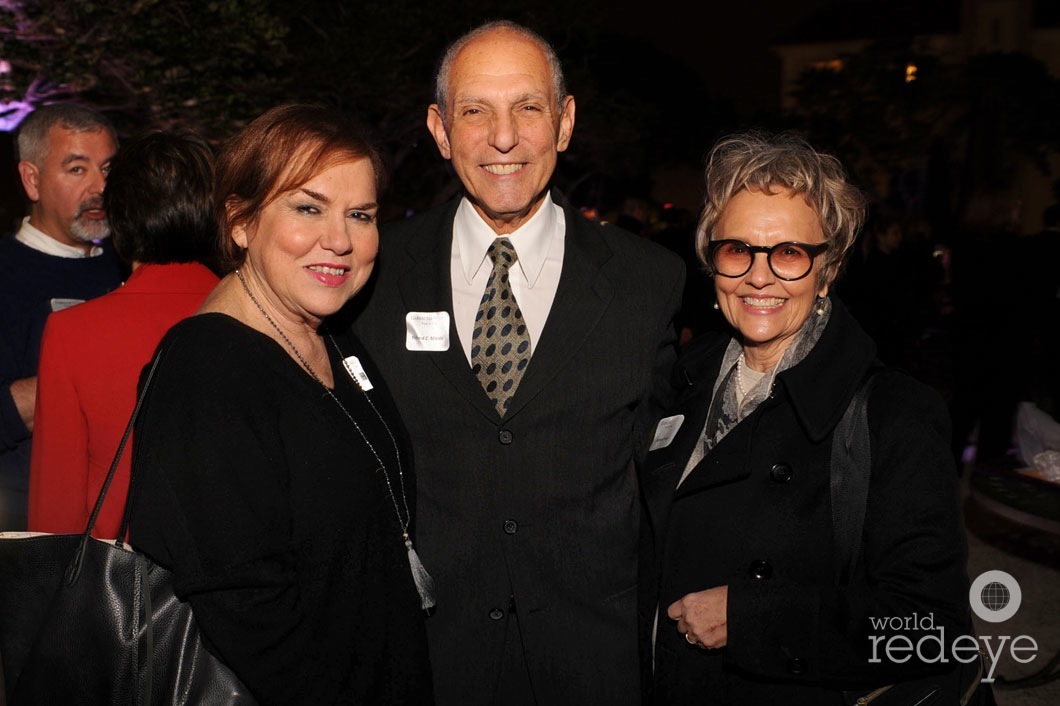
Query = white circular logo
x=995 y=596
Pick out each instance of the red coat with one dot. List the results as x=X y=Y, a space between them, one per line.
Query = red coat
x=90 y=363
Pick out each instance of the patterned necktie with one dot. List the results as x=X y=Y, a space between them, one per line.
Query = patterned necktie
x=500 y=344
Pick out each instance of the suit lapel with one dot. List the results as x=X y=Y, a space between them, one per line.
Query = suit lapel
x=581 y=299
x=426 y=286
x=694 y=375
x=663 y=467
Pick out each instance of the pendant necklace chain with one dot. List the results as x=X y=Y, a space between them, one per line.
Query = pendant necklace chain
x=424 y=584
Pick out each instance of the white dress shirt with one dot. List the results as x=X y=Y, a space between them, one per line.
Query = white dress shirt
x=534 y=277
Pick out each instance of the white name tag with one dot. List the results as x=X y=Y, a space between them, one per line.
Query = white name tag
x=356 y=370
x=427 y=331
x=665 y=431
x=60 y=304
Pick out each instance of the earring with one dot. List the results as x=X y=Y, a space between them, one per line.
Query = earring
x=819 y=307
x=716 y=307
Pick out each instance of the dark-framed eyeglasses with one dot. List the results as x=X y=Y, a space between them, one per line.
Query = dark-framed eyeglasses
x=788 y=261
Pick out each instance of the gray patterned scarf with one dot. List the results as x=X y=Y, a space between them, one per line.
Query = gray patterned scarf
x=725 y=411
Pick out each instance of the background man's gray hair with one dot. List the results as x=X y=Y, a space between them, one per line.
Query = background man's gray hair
x=441 y=79
x=33 y=132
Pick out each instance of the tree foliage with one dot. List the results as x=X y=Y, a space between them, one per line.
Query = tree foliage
x=213 y=65
x=159 y=63
x=932 y=141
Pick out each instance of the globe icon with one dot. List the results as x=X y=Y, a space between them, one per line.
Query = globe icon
x=995 y=596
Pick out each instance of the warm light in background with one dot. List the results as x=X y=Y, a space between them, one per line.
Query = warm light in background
x=829 y=65
x=910 y=73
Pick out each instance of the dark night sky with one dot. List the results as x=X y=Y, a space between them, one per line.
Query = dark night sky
x=726 y=42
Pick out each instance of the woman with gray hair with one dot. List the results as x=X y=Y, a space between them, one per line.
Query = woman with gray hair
x=748 y=596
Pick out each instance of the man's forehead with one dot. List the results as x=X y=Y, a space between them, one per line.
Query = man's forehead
x=71 y=145
x=475 y=94
x=503 y=52
x=74 y=156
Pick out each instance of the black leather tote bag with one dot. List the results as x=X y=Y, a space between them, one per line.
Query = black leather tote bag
x=89 y=621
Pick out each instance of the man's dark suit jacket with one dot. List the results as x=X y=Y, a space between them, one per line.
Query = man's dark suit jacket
x=528 y=524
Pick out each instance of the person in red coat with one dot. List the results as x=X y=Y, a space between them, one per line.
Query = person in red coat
x=158 y=200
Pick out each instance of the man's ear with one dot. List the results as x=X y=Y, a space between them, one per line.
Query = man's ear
x=566 y=124
x=436 y=125
x=30 y=175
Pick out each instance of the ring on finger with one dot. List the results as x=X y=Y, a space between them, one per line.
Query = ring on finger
x=691 y=640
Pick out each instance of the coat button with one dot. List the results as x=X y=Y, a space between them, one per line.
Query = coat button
x=780 y=473
x=496 y=614
x=505 y=436
x=510 y=527
x=797 y=665
x=760 y=569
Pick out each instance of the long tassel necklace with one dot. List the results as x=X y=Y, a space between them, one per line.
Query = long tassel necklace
x=423 y=580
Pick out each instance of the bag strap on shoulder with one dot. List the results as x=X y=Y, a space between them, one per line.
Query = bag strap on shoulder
x=74 y=569
x=851 y=467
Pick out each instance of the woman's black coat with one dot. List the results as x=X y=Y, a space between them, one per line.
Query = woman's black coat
x=755 y=515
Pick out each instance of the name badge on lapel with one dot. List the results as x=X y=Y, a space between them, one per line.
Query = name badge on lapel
x=427 y=331
x=665 y=431
x=356 y=370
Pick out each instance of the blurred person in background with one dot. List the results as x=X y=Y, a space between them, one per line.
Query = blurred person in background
x=159 y=204
x=1043 y=385
x=989 y=333
x=56 y=259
